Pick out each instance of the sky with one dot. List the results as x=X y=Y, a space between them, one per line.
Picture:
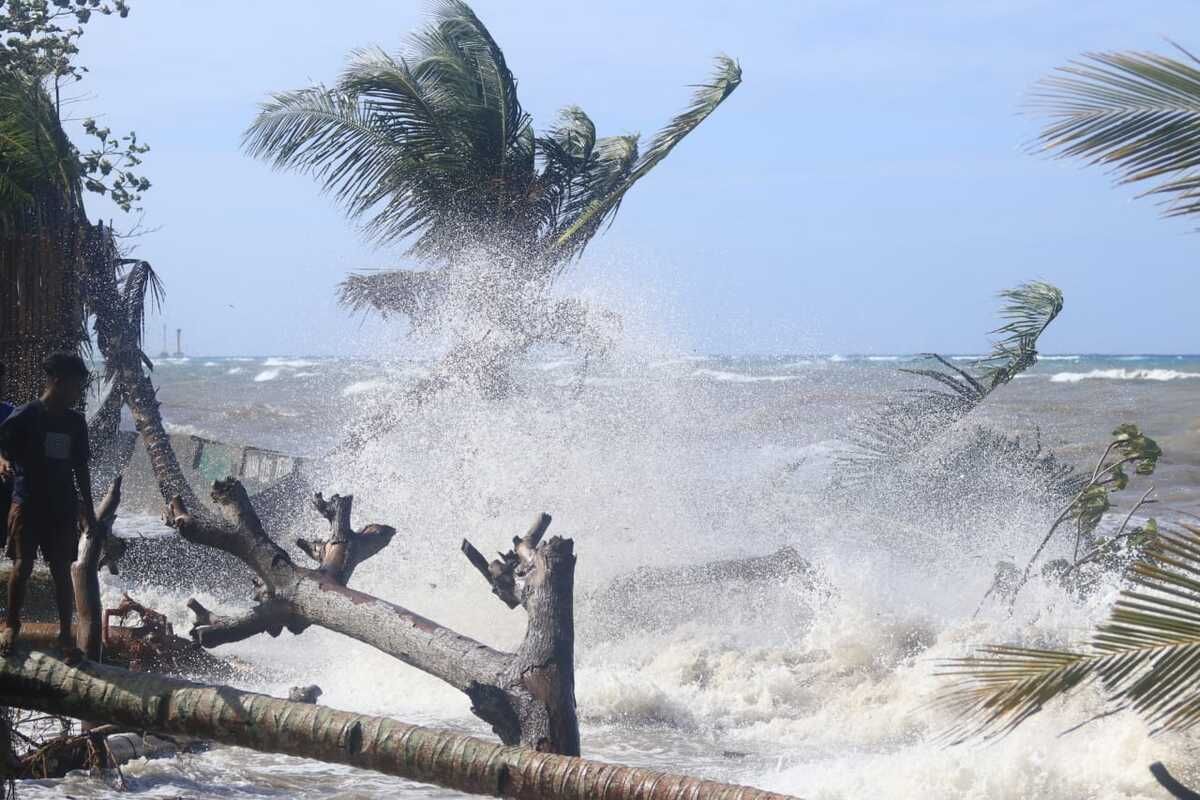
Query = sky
x=868 y=188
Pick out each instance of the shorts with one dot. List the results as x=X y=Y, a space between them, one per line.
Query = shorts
x=56 y=535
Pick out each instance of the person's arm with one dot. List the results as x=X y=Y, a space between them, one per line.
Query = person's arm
x=83 y=476
x=13 y=432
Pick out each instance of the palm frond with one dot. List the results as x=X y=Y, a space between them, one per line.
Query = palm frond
x=1137 y=113
x=574 y=237
x=406 y=292
x=139 y=284
x=40 y=172
x=899 y=428
x=1146 y=655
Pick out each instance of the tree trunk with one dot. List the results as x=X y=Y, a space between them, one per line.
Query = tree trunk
x=245 y=719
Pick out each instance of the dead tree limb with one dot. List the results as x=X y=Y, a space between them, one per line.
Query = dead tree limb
x=85 y=574
x=528 y=697
x=245 y=719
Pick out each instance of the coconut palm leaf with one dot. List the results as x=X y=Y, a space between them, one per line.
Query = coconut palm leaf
x=1146 y=655
x=572 y=240
x=899 y=428
x=1136 y=113
x=407 y=292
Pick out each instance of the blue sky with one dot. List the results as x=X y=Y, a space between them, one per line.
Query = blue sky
x=867 y=189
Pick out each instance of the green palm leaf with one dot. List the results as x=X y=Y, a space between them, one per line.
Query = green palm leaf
x=1137 y=113
x=708 y=96
x=1146 y=656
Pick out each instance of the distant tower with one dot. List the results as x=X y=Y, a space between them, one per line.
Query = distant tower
x=165 y=353
x=179 y=342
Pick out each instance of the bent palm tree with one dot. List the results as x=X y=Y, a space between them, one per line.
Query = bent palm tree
x=901 y=427
x=1137 y=113
x=433 y=148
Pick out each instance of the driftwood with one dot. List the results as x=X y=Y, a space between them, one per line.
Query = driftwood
x=231 y=716
x=528 y=697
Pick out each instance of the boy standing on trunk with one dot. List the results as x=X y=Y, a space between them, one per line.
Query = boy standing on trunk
x=44 y=447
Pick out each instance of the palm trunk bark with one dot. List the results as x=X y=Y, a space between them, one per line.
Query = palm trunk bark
x=231 y=716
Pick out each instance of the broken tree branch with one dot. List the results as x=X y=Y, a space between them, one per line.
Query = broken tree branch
x=527 y=697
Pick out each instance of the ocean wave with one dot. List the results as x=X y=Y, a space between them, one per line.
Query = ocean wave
x=235 y=371
x=1130 y=358
x=835 y=358
x=1058 y=358
x=1123 y=375
x=211 y=364
x=295 y=363
x=267 y=375
x=886 y=358
x=306 y=374
x=669 y=362
x=740 y=377
x=177 y=429
x=362 y=387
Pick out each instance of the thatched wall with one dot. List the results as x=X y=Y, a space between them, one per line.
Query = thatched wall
x=41 y=303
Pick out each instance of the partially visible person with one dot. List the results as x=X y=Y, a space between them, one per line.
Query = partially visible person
x=44 y=445
x=6 y=408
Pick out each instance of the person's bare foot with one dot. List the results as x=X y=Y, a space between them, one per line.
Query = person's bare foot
x=8 y=640
x=71 y=655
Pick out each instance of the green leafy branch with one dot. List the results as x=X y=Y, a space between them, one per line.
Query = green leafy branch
x=1146 y=655
x=40 y=37
x=1128 y=449
x=109 y=168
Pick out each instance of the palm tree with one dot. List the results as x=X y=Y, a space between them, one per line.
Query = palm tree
x=433 y=148
x=1136 y=113
x=901 y=427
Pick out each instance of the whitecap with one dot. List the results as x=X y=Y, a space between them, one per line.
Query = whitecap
x=361 y=387
x=267 y=375
x=211 y=364
x=1058 y=358
x=884 y=358
x=836 y=358
x=295 y=363
x=307 y=374
x=1123 y=375
x=235 y=371
x=740 y=377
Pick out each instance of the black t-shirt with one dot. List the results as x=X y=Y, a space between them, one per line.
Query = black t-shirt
x=44 y=449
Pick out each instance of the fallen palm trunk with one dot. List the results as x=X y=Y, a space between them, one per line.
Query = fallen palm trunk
x=258 y=722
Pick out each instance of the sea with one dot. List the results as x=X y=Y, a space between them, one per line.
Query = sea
x=821 y=689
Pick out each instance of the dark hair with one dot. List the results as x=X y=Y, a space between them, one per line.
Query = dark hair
x=62 y=365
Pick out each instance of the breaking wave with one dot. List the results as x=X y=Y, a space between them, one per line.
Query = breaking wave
x=1123 y=375
x=740 y=377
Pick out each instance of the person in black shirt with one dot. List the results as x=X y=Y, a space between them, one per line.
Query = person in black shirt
x=44 y=448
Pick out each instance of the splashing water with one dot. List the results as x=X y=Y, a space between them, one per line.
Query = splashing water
x=820 y=689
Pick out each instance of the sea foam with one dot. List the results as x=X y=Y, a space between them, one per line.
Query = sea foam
x=1123 y=375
